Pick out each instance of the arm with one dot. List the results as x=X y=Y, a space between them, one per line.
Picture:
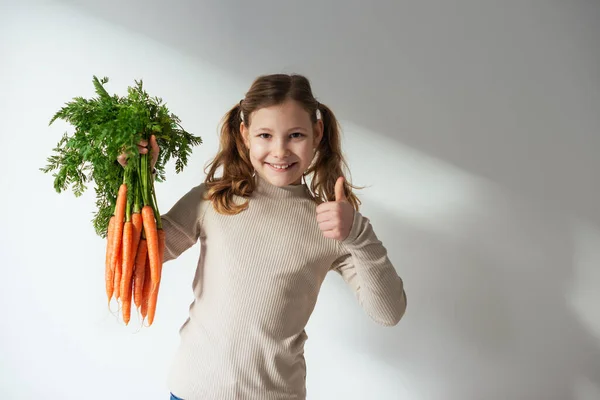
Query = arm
x=183 y=222
x=366 y=268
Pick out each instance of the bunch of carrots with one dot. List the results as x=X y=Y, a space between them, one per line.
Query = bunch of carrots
x=106 y=127
x=135 y=244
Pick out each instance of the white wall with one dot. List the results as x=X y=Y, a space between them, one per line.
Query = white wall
x=474 y=124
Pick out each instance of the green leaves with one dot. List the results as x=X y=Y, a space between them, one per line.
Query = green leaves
x=105 y=127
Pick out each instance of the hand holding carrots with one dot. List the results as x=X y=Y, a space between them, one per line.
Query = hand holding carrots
x=143 y=148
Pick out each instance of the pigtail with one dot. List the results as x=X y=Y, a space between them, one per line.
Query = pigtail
x=237 y=172
x=329 y=163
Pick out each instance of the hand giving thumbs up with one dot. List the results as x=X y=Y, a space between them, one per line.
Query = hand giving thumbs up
x=335 y=217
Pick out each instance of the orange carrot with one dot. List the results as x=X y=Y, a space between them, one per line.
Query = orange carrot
x=153 y=296
x=119 y=220
x=126 y=267
x=152 y=301
x=109 y=273
x=139 y=272
x=161 y=245
x=136 y=218
x=146 y=289
x=154 y=259
x=152 y=240
x=118 y=272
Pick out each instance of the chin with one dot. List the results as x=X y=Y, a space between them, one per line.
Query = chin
x=282 y=180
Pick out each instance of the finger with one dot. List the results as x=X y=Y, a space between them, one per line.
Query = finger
x=154 y=144
x=339 y=189
x=329 y=216
x=327 y=225
x=142 y=150
x=325 y=207
x=325 y=216
x=122 y=159
x=332 y=234
x=143 y=143
x=155 y=149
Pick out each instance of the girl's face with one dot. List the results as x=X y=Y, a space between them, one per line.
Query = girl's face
x=282 y=141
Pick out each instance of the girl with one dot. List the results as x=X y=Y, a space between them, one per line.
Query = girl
x=268 y=238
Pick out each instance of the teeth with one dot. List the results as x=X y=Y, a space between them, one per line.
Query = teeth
x=285 y=166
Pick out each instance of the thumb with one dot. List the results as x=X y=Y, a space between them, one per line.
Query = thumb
x=155 y=149
x=340 y=195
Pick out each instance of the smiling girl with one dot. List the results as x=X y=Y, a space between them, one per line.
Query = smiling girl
x=273 y=217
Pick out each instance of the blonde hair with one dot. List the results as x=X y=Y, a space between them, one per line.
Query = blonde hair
x=237 y=177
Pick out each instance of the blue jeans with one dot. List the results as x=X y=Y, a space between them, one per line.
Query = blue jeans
x=173 y=397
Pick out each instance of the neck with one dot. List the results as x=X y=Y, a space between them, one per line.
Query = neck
x=266 y=188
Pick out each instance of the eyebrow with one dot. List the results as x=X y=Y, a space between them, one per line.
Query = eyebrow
x=296 y=128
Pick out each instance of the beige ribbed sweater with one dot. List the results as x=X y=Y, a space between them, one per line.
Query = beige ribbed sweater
x=255 y=287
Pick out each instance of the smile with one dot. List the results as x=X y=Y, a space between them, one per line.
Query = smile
x=281 y=167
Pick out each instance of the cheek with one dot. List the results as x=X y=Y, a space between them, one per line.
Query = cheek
x=258 y=150
x=306 y=153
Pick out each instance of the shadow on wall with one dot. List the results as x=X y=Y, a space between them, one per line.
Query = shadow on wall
x=489 y=313
x=517 y=106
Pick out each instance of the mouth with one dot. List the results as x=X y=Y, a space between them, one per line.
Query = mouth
x=281 y=167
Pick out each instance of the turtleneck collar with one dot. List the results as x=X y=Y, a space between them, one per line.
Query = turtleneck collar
x=267 y=189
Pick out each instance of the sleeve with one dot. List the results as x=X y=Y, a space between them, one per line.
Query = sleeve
x=366 y=268
x=182 y=224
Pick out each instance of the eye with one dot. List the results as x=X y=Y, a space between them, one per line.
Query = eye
x=297 y=135
x=264 y=135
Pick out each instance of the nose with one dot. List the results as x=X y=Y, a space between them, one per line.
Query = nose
x=280 y=149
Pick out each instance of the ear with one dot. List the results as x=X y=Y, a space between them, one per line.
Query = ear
x=318 y=132
x=245 y=134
